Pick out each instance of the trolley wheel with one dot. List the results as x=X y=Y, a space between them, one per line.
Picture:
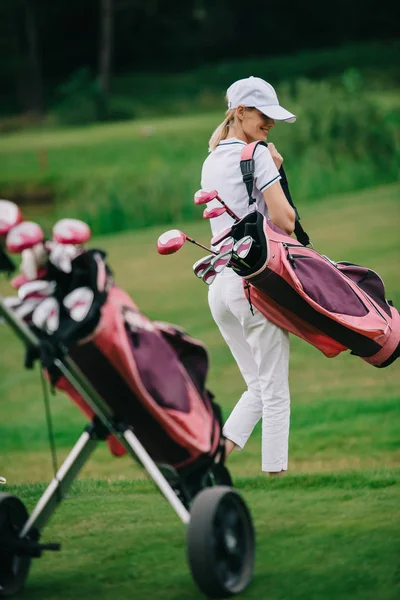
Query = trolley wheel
x=14 y=569
x=220 y=542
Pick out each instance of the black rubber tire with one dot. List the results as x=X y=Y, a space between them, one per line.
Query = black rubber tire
x=220 y=542
x=13 y=569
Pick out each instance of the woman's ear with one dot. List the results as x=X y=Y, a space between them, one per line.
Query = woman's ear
x=240 y=112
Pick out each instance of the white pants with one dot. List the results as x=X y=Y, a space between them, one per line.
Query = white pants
x=261 y=351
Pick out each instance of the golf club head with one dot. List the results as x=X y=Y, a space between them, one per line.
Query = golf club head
x=221 y=236
x=10 y=216
x=204 y=196
x=209 y=275
x=227 y=245
x=24 y=235
x=202 y=264
x=213 y=211
x=71 y=231
x=171 y=241
x=220 y=261
x=242 y=246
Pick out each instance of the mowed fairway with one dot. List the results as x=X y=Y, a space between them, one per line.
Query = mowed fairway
x=329 y=529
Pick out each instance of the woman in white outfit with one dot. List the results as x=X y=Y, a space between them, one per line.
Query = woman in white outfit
x=260 y=348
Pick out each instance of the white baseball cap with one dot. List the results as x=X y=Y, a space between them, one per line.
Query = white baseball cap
x=256 y=92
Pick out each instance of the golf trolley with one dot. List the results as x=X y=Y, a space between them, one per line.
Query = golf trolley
x=220 y=538
x=142 y=385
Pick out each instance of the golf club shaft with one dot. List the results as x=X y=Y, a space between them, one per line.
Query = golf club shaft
x=242 y=263
x=228 y=210
x=189 y=239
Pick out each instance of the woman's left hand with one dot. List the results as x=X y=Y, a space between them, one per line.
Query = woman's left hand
x=276 y=157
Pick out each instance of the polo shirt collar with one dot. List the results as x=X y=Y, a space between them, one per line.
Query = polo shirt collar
x=231 y=141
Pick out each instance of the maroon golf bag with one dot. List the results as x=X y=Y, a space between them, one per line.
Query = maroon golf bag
x=153 y=375
x=333 y=306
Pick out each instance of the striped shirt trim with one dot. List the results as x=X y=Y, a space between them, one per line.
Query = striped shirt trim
x=231 y=143
x=269 y=182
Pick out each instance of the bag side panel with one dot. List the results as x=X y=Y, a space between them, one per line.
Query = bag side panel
x=293 y=323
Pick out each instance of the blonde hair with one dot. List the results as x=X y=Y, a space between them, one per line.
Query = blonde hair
x=222 y=130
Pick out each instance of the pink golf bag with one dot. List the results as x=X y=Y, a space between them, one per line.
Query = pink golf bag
x=333 y=306
x=152 y=374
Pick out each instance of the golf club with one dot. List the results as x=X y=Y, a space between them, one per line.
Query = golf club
x=242 y=246
x=210 y=212
x=202 y=264
x=205 y=196
x=220 y=261
x=227 y=245
x=171 y=241
x=221 y=236
x=209 y=275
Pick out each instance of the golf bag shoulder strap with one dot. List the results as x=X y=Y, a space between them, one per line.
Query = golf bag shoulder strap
x=247 y=167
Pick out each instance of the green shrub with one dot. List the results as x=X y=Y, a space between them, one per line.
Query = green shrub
x=204 y=88
x=80 y=99
x=341 y=141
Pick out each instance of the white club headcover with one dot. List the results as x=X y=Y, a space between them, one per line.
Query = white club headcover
x=79 y=303
x=28 y=264
x=71 y=231
x=32 y=259
x=47 y=315
x=12 y=302
x=22 y=310
x=10 y=216
x=62 y=255
x=26 y=309
x=40 y=288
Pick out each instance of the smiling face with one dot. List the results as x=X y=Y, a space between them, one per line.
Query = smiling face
x=254 y=124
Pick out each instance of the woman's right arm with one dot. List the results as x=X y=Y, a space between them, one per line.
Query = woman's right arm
x=279 y=210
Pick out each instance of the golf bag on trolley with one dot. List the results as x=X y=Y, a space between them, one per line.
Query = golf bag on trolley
x=142 y=384
x=335 y=306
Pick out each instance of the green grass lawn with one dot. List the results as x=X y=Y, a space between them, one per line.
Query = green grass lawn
x=329 y=529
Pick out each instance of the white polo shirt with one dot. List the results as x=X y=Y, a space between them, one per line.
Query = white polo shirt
x=221 y=172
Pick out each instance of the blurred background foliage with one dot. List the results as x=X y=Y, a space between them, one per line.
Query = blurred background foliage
x=106 y=106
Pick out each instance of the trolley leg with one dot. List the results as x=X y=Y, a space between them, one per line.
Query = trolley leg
x=136 y=447
x=63 y=479
x=122 y=433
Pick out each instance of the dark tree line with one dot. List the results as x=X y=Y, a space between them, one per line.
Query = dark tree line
x=43 y=41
